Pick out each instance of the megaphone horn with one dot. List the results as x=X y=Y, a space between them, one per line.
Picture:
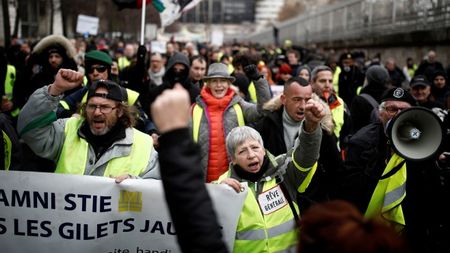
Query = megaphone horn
x=416 y=133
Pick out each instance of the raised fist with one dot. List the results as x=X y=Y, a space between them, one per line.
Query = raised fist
x=251 y=71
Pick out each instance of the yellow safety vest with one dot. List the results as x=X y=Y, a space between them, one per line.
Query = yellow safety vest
x=74 y=154
x=7 y=149
x=123 y=62
x=336 y=79
x=412 y=71
x=197 y=114
x=338 y=117
x=10 y=80
x=272 y=232
x=388 y=195
x=252 y=92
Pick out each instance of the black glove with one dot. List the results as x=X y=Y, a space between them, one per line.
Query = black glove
x=251 y=71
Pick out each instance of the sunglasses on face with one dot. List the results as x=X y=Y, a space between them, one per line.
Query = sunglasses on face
x=99 y=68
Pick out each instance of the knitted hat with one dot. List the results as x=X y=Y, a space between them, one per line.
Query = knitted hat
x=377 y=75
x=398 y=94
x=115 y=92
x=97 y=56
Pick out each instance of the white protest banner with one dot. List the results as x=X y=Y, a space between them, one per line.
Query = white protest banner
x=45 y=212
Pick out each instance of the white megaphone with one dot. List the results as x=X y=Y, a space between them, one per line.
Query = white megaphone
x=416 y=133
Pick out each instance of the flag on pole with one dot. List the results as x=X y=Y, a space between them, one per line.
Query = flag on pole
x=173 y=9
x=170 y=10
x=130 y=4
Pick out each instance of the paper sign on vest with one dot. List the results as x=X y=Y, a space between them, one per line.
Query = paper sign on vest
x=272 y=200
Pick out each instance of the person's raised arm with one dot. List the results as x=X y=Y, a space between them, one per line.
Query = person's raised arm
x=189 y=203
x=307 y=152
x=37 y=123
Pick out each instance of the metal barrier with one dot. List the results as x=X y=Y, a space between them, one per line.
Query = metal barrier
x=359 y=19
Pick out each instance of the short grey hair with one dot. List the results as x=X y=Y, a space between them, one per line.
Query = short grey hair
x=239 y=135
x=319 y=69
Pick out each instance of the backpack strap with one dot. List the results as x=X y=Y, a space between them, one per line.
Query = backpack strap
x=288 y=198
x=370 y=99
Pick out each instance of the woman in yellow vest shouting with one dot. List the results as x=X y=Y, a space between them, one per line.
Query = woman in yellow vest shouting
x=268 y=220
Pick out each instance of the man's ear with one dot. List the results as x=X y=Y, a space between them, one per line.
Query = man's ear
x=283 y=99
x=119 y=111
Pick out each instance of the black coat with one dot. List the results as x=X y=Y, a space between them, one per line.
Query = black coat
x=361 y=109
x=187 y=198
x=427 y=188
x=365 y=162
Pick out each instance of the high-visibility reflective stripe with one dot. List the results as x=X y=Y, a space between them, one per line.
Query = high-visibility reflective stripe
x=282 y=228
x=64 y=105
x=260 y=234
x=300 y=168
x=394 y=195
x=253 y=235
x=308 y=179
x=292 y=249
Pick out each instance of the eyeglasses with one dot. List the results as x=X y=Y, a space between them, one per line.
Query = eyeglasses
x=393 y=109
x=99 y=68
x=105 y=109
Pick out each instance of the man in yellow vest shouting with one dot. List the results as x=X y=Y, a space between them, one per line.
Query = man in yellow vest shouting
x=101 y=142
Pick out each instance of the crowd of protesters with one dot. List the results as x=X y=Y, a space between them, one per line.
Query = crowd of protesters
x=320 y=123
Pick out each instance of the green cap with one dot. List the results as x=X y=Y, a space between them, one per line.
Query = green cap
x=98 y=56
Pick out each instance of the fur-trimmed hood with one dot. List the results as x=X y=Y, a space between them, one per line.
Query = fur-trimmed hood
x=327 y=123
x=53 y=40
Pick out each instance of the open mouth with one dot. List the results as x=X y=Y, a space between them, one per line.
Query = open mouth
x=98 y=124
x=253 y=166
x=300 y=114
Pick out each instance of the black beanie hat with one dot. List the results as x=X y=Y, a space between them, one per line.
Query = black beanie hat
x=377 y=75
